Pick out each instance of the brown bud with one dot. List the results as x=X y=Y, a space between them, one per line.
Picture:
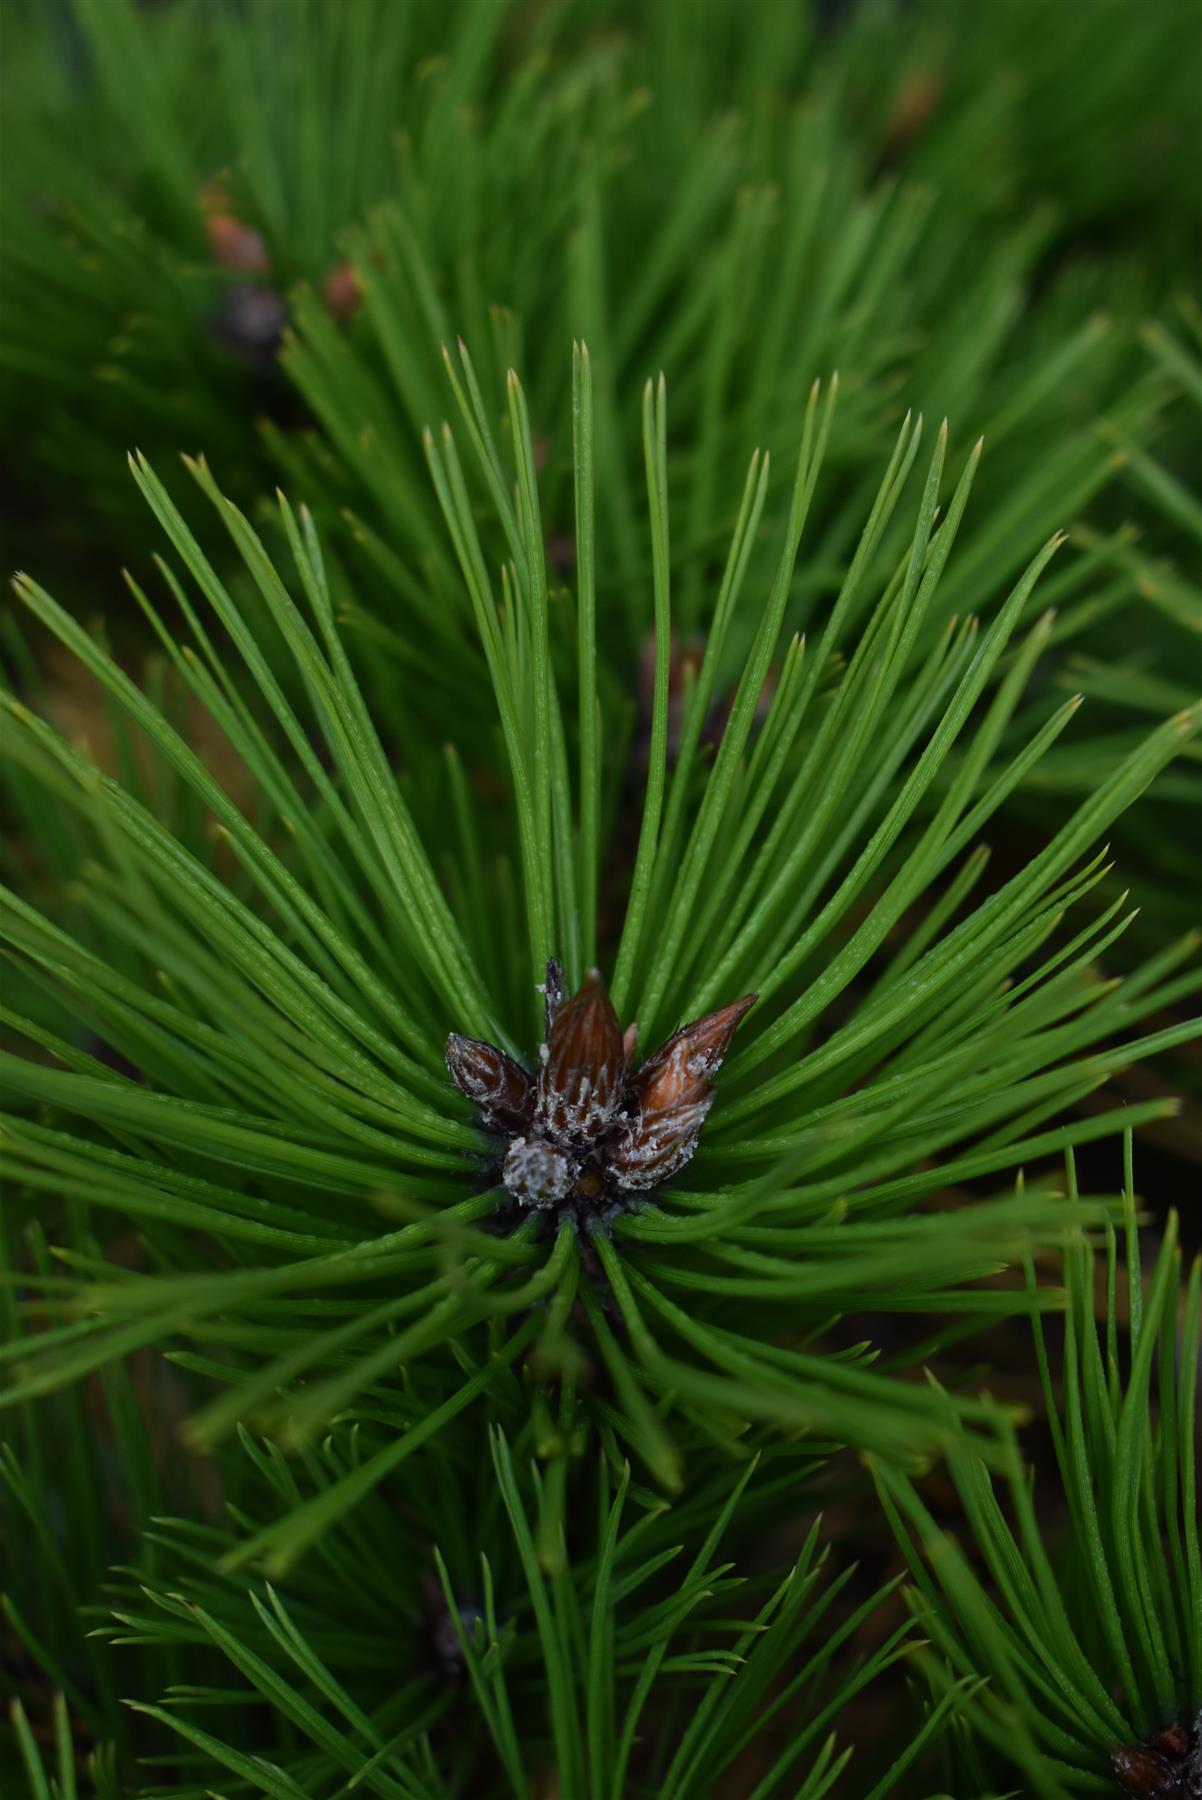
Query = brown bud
x=680 y=1071
x=235 y=245
x=1146 y=1774
x=536 y=1173
x=652 y=1149
x=1173 y=1740
x=340 y=291
x=580 y=1082
x=492 y=1081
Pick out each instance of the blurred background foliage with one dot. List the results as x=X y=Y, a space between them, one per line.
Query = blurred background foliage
x=247 y=229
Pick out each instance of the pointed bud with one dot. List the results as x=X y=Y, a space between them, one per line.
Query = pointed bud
x=1173 y=1740
x=340 y=291
x=1146 y=1775
x=680 y=1072
x=492 y=1081
x=536 y=1173
x=580 y=1082
x=235 y=245
x=657 y=1146
x=554 y=992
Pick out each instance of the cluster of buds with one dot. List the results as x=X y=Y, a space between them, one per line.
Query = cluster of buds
x=239 y=247
x=232 y=243
x=592 y=1129
x=1168 y=1768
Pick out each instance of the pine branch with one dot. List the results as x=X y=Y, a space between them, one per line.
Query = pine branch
x=1089 y=1638
x=289 y=1085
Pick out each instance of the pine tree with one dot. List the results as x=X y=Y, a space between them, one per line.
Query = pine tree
x=564 y=972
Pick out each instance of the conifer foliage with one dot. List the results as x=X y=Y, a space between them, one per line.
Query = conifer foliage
x=564 y=963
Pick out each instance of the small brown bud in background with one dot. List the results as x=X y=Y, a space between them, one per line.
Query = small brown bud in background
x=341 y=292
x=915 y=104
x=235 y=245
x=231 y=243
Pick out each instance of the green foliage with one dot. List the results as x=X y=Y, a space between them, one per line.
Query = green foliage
x=337 y=1465
x=558 y=1655
x=798 y=249
x=289 y=1079
x=120 y=117
x=824 y=223
x=1093 y=1639
x=1134 y=660
x=590 y=1636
